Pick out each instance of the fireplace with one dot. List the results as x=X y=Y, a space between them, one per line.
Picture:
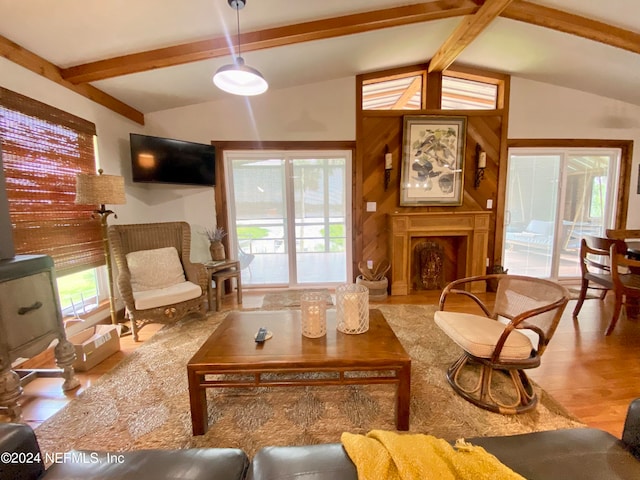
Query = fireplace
x=459 y=242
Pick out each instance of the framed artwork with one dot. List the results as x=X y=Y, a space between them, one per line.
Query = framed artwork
x=432 y=160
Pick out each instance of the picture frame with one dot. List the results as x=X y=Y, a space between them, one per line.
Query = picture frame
x=433 y=151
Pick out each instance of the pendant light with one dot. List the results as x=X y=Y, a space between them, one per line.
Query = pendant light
x=238 y=78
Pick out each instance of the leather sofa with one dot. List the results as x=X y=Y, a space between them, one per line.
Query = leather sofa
x=584 y=453
x=21 y=459
x=581 y=453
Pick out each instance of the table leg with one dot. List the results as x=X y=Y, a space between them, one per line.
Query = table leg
x=198 y=400
x=403 y=400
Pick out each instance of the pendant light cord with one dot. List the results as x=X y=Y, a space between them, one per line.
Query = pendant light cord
x=238 y=27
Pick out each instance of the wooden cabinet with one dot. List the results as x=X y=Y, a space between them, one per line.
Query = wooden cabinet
x=30 y=320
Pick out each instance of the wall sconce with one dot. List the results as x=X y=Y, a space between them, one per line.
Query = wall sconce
x=481 y=164
x=388 y=166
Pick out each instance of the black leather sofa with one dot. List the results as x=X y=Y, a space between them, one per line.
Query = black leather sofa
x=581 y=453
x=21 y=459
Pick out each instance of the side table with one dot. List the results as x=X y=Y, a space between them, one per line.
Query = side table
x=30 y=319
x=220 y=271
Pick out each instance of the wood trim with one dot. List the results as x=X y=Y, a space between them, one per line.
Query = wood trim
x=626 y=160
x=465 y=33
x=268 y=38
x=573 y=24
x=433 y=98
x=29 y=60
x=500 y=198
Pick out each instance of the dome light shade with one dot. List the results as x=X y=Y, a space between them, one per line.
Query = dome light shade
x=240 y=79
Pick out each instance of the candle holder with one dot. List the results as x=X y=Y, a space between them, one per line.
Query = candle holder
x=313 y=307
x=352 y=308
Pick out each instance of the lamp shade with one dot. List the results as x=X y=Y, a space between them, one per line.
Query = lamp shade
x=99 y=189
x=240 y=79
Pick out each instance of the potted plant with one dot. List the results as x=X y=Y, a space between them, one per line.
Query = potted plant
x=374 y=279
x=215 y=236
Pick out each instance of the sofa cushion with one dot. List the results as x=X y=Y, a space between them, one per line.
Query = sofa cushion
x=585 y=453
x=160 y=297
x=192 y=464
x=478 y=335
x=153 y=269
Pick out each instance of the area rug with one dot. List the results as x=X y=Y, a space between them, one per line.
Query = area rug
x=144 y=401
x=290 y=298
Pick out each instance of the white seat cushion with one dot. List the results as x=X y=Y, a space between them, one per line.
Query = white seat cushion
x=478 y=335
x=156 y=268
x=160 y=297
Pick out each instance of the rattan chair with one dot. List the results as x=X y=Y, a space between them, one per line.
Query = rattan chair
x=499 y=345
x=595 y=267
x=125 y=239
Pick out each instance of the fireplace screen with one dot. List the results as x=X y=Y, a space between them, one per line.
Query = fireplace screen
x=428 y=266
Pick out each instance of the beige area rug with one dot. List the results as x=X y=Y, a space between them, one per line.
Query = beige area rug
x=575 y=294
x=290 y=298
x=144 y=401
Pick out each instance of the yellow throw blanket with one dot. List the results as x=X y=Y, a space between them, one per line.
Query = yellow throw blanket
x=384 y=455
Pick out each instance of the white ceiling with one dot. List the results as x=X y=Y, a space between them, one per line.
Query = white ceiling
x=73 y=32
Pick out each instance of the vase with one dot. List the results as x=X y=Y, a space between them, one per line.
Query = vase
x=217 y=251
x=377 y=288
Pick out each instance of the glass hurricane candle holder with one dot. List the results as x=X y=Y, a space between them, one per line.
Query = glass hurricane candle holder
x=313 y=307
x=352 y=308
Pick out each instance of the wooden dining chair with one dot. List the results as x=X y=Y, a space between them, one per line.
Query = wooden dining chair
x=595 y=267
x=626 y=286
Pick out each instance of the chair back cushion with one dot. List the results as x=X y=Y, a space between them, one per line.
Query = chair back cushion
x=153 y=269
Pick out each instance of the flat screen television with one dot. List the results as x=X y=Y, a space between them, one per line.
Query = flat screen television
x=163 y=160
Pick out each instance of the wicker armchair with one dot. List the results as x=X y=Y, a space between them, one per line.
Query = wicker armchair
x=499 y=345
x=126 y=239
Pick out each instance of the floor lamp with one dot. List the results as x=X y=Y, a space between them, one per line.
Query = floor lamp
x=101 y=190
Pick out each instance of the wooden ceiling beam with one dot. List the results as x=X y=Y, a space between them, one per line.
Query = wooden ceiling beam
x=29 y=60
x=269 y=38
x=465 y=33
x=573 y=24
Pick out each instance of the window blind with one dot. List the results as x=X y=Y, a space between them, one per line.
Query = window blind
x=43 y=148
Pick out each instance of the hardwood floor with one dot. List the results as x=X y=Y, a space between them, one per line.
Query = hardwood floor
x=594 y=377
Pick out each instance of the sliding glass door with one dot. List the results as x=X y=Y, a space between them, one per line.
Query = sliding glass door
x=554 y=198
x=290 y=216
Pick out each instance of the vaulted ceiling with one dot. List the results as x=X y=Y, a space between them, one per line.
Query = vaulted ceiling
x=141 y=56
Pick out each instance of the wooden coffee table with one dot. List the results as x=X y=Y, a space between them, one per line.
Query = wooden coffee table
x=232 y=352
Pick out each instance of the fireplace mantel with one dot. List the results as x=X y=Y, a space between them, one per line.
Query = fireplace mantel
x=403 y=227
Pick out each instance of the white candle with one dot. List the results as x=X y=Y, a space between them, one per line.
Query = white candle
x=388 y=161
x=482 y=160
x=351 y=313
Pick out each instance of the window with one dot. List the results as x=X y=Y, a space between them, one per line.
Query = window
x=393 y=93
x=43 y=149
x=464 y=94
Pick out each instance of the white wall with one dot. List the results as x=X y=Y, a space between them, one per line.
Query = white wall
x=540 y=110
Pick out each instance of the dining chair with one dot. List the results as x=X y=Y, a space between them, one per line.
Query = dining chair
x=500 y=344
x=625 y=273
x=595 y=267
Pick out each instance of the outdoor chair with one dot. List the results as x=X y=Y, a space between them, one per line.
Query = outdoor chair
x=625 y=274
x=500 y=344
x=157 y=281
x=595 y=267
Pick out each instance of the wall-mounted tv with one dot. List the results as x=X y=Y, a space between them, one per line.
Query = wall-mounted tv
x=163 y=160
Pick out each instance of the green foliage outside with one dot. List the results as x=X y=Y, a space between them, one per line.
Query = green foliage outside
x=251 y=232
x=336 y=237
x=72 y=288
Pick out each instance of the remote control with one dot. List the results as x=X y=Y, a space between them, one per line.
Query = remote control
x=261 y=335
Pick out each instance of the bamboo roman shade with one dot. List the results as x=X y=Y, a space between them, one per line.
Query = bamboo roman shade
x=43 y=149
